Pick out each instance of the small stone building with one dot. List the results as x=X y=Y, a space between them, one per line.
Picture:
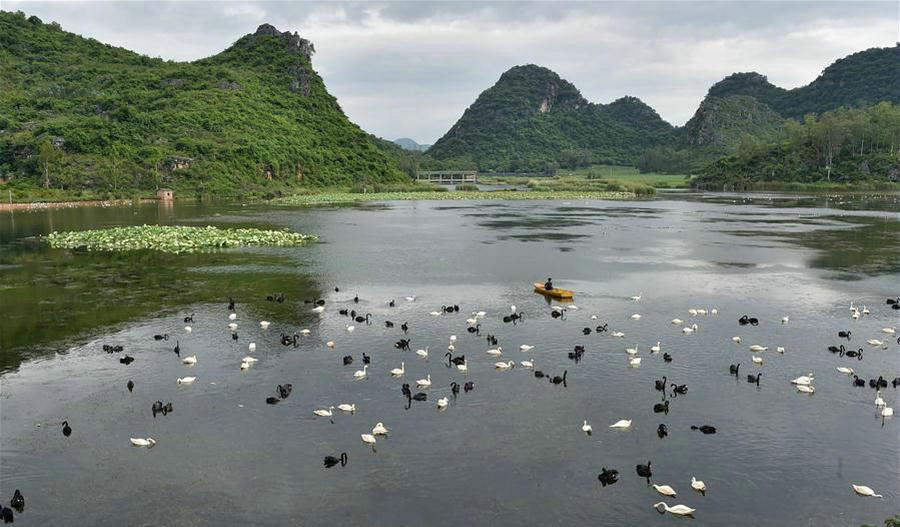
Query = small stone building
x=164 y=194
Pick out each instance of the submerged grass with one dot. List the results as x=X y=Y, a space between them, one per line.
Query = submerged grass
x=346 y=197
x=173 y=239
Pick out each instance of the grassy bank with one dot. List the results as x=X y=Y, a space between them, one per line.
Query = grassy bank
x=593 y=177
x=818 y=186
x=349 y=197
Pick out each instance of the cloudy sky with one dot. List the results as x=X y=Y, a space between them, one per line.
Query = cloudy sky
x=411 y=68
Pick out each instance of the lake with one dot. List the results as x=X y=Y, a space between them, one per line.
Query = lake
x=509 y=452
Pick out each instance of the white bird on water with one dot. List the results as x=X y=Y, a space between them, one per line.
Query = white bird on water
x=698 y=485
x=879 y=402
x=736 y=340
x=634 y=362
x=586 y=428
x=495 y=351
x=655 y=349
x=344 y=407
x=757 y=347
x=232 y=316
x=190 y=361
x=323 y=412
x=264 y=324
x=368 y=439
x=617 y=334
x=863 y=490
x=638 y=297
x=632 y=351
x=677 y=321
x=398 y=372
x=527 y=364
x=874 y=342
x=232 y=326
x=187 y=329
x=380 y=429
x=424 y=383
x=442 y=403
x=622 y=423
x=636 y=316
x=805 y=388
x=410 y=299
x=504 y=365
x=525 y=347
x=251 y=347
x=804 y=380
x=361 y=374
x=665 y=490
x=422 y=352
x=350 y=328
x=318 y=309
x=140 y=441
x=756 y=359
x=185 y=380
x=678 y=510
x=845 y=370
x=785 y=319
x=688 y=331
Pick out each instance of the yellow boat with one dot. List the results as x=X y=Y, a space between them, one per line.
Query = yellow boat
x=562 y=294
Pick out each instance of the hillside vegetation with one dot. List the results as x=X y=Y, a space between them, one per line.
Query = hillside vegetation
x=253 y=119
x=531 y=120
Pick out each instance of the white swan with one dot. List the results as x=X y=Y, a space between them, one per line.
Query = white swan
x=756 y=359
x=305 y=332
x=678 y=510
x=698 y=485
x=464 y=367
x=504 y=365
x=736 y=340
x=424 y=383
x=187 y=329
x=527 y=363
x=845 y=370
x=636 y=316
x=380 y=429
x=318 y=309
x=702 y=312
x=368 y=439
x=232 y=326
x=617 y=334
x=512 y=308
x=865 y=310
x=398 y=372
x=452 y=339
x=411 y=299
x=757 y=347
x=634 y=362
x=780 y=349
x=185 y=380
x=655 y=349
x=688 y=331
x=140 y=441
x=264 y=324
x=804 y=380
x=889 y=331
x=692 y=312
x=423 y=352
x=714 y=311
x=665 y=490
x=344 y=407
x=805 y=388
x=480 y=314
x=854 y=315
x=349 y=328
x=785 y=319
x=677 y=321
x=637 y=298
x=878 y=400
x=887 y=411
x=863 y=490
x=495 y=352
x=632 y=351
x=874 y=342
x=361 y=374
x=245 y=365
x=622 y=423
x=232 y=316
x=435 y=313
x=472 y=321
x=330 y=344
x=451 y=347
x=572 y=307
x=525 y=347
x=322 y=412
x=586 y=428
x=442 y=403
x=251 y=347
x=190 y=361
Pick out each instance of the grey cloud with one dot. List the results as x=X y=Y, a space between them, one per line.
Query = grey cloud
x=411 y=68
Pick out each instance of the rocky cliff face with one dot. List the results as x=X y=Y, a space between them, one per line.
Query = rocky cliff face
x=721 y=121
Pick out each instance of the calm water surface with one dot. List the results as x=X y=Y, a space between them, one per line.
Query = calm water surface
x=511 y=452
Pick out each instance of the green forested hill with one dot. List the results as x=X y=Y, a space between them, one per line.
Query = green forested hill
x=532 y=120
x=76 y=113
x=867 y=77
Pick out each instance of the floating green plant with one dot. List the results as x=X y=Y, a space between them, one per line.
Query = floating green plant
x=341 y=197
x=174 y=239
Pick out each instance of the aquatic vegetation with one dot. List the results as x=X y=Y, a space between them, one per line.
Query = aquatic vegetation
x=346 y=197
x=174 y=239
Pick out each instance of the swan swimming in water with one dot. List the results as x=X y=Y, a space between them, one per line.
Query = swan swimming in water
x=504 y=365
x=757 y=347
x=623 y=423
x=264 y=324
x=139 y=441
x=442 y=403
x=698 y=485
x=845 y=370
x=863 y=490
x=586 y=428
x=361 y=374
x=756 y=360
x=678 y=510
x=527 y=364
x=398 y=372
x=344 y=407
x=805 y=380
x=525 y=347
x=422 y=352
x=495 y=352
x=322 y=412
x=380 y=429
x=424 y=383
x=736 y=340
x=368 y=439
x=185 y=380
x=677 y=321
x=665 y=490
x=634 y=362
x=654 y=349
x=190 y=361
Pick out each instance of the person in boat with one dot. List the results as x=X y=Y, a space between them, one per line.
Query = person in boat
x=548 y=285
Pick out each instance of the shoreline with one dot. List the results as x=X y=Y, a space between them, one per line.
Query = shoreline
x=44 y=205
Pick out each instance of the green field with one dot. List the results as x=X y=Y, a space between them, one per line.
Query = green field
x=626 y=175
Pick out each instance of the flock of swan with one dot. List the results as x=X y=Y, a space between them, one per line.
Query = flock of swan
x=803 y=383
